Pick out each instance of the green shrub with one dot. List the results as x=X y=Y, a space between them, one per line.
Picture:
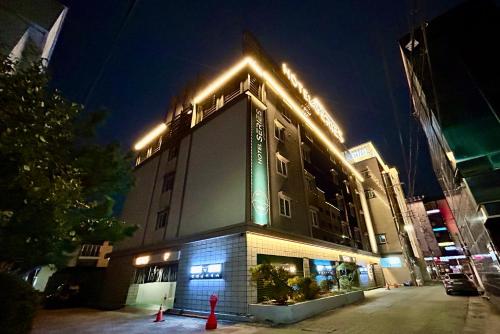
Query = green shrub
x=272 y=282
x=304 y=288
x=18 y=304
x=348 y=275
x=326 y=285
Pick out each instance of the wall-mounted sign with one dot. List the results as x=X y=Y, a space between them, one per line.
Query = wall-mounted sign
x=314 y=103
x=206 y=271
x=259 y=179
x=390 y=262
x=345 y=258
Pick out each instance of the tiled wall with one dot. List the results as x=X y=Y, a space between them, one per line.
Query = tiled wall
x=231 y=290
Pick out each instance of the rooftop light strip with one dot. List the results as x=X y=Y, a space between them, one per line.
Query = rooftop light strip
x=277 y=88
x=150 y=136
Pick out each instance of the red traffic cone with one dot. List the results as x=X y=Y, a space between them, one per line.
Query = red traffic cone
x=159 y=316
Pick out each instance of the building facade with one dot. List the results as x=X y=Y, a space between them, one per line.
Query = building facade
x=29 y=29
x=248 y=169
x=438 y=236
x=452 y=73
x=402 y=258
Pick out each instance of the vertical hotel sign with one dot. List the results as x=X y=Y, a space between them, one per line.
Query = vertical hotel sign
x=259 y=182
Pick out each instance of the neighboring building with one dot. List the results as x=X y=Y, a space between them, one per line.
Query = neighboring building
x=247 y=170
x=29 y=28
x=396 y=241
x=453 y=78
x=438 y=237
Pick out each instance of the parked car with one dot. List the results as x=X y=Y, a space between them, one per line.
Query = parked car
x=459 y=283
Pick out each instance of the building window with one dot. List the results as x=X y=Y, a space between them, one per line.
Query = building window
x=335 y=177
x=286 y=114
x=314 y=217
x=352 y=209
x=279 y=131
x=381 y=238
x=346 y=184
x=168 y=182
x=370 y=193
x=357 y=234
x=161 y=219
x=281 y=165
x=173 y=152
x=306 y=153
x=311 y=183
x=345 y=229
x=285 y=206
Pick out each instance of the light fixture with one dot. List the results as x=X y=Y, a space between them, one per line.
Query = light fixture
x=279 y=90
x=166 y=255
x=150 y=136
x=142 y=260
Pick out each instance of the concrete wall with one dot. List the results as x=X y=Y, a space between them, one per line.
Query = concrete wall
x=193 y=294
x=215 y=191
x=293 y=185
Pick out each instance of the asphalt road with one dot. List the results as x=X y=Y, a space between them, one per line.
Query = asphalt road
x=403 y=310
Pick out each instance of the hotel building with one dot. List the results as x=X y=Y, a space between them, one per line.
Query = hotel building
x=247 y=169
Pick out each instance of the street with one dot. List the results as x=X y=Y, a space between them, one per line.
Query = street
x=403 y=310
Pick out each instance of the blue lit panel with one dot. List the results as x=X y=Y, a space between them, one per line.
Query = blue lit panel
x=437 y=229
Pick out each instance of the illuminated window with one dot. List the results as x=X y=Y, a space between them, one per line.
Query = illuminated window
x=381 y=239
x=279 y=131
x=281 y=165
x=314 y=217
x=161 y=219
x=168 y=182
x=285 y=206
x=173 y=152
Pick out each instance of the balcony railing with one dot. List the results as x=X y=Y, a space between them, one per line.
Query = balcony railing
x=90 y=251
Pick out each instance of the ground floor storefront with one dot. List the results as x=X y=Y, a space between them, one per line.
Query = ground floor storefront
x=406 y=310
x=184 y=276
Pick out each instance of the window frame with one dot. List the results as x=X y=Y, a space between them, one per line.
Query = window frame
x=280 y=130
x=282 y=162
x=313 y=212
x=161 y=219
x=285 y=200
x=173 y=153
x=170 y=185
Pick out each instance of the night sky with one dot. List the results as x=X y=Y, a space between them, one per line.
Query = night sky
x=134 y=56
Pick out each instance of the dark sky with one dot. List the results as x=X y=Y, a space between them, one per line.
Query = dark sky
x=345 y=52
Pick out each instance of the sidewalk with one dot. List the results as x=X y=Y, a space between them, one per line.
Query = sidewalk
x=482 y=317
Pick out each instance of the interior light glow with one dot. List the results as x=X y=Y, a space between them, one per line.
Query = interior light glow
x=437 y=229
x=450 y=248
x=429 y=212
x=158 y=130
x=166 y=255
x=196 y=269
x=279 y=90
x=142 y=260
x=215 y=268
x=447 y=243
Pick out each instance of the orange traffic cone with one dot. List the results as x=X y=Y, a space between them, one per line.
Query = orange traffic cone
x=159 y=315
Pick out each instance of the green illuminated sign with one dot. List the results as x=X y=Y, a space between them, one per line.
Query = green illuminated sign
x=260 y=199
